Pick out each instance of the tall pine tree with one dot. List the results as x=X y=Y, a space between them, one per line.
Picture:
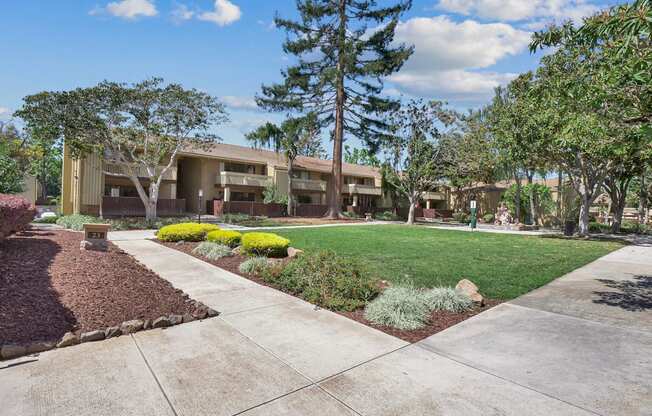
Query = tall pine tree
x=340 y=63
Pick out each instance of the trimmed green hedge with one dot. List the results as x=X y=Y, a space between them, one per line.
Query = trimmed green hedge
x=187 y=231
x=265 y=244
x=227 y=237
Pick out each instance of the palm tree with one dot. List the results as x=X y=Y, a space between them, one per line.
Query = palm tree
x=293 y=135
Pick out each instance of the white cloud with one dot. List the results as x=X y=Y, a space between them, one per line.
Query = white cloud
x=224 y=14
x=181 y=13
x=519 y=10
x=243 y=103
x=129 y=9
x=5 y=113
x=448 y=56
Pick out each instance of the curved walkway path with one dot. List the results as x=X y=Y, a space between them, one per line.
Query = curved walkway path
x=581 y=345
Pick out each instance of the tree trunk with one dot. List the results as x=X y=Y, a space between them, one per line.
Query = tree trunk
x=585 y=205
x=291 y=210
x=150 y=210
x=618 y=209
x=410 y=218
x=533 y=215
x=517 y=198
x=642 y=201
x=560 y=197
x=334 y=209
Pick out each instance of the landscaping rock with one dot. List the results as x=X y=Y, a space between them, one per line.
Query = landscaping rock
x=39 y=346
x=200 y=313
x=92 y=336
x=147 y=324
x=211 y=312
x=187 y=318
x=294 y=252
x=129 y=327
x=236 y=251
x=12 y=351
x=113 y=331
x=469 y=288
x=67 y=340
x=161 y=322
x=85 y=245
x=175 y=319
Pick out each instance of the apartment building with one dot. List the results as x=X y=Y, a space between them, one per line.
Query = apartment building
x=232 y=174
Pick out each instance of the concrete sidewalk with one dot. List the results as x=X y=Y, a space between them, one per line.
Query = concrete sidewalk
x=579 y=346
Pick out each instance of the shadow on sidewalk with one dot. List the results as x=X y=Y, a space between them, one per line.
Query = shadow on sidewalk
x=632 y=295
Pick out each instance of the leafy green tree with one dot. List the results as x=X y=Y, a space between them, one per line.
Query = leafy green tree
x=11 y=172
x=340 y=63
x=139 y=127
x=422 y=164
x=358 y=156
x=289 y=138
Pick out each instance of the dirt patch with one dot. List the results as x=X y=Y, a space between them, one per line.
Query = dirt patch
x=439 y=320
x=48 y=286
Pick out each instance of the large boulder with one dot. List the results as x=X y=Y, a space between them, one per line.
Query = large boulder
x=468 y=288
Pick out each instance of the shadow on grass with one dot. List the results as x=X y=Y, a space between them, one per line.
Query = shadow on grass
x=632 y=295
x=30 y=308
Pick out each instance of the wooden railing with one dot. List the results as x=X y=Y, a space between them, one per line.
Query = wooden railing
x=133 y=207
x=308 y=185
x=141 y=171
x=353 y=188
x=243 y=179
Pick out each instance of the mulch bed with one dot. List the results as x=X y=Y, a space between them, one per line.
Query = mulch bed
x=48 y=287
x=439 y=320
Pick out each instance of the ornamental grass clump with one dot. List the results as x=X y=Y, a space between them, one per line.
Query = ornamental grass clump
x=212 y=251
x=408 y=308
x=401 y=307
x=186 y=231
x=265 y=244
x=327 y=280
x=76 y=221
x=254 y=265
x=227 y=237
x=448 y=299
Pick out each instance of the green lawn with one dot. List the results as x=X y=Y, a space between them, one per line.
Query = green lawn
x=503 y=266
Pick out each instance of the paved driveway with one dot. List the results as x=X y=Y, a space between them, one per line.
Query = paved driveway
x=579 y=346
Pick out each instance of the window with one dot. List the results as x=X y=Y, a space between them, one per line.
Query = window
x=304 y=199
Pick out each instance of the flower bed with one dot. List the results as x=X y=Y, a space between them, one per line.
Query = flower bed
x=347 y=294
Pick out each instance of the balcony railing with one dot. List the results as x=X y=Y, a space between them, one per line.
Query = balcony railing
x=353 y=188
x=308 y=185
x=433 y=196
x=141 y=171
x=243 y=179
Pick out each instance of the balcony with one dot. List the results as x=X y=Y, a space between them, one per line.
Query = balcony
x=433 y=196
x=243 y=179
x=308 y=185
x=353 y=188
x=141 y=171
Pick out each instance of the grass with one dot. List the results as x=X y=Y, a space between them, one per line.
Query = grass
x=503 y=266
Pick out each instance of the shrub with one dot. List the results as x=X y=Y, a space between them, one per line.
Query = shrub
x=15 y=214
x=265 y=244
x=409 y=308
x=212 y=251
x=405 y=308
x=187 y=231
x=138 y=223
x=461 y=217
x=254 y=265
x=350 y=214
x=76 y=221
x=227 y=237
x=386 y=216
x=327 y=280
x=488 y=218
x=447 y=299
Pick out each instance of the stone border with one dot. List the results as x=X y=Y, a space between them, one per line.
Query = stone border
x=10 y=351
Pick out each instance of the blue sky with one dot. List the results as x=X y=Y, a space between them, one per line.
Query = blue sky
x=228 y=48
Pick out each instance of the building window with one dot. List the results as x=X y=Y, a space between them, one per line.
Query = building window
x=304 y=199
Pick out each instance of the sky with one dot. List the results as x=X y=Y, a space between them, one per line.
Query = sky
x=229 y=48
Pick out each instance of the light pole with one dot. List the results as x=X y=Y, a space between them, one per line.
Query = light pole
x=200 y=195
x=474 y=216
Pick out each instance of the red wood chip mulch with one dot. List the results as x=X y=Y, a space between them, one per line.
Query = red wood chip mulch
x=439 y=320
x=48 y=286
